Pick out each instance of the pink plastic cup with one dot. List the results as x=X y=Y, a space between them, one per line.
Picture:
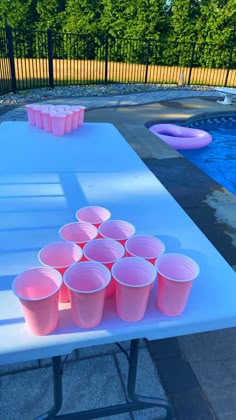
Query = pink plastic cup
x=75 y=117
x=65 y=107
x=144 y=246
x=68 y=121
x=38 y=116
x=93 y=214
x=78 y=232
x=81 y=116
x=176 y=273
x=134 y=277
x=58 y=123
x=51 y=107
x=38 y=292
x=47 y=121
x=59 y=109
x=106 y=251
x=31 y=113
x=87 y=282
x=120 y=230
x=61 y=255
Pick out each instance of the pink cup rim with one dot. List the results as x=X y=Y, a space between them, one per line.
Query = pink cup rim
x=57 y=114
x=145 y=262
x=29 y=106
x=117 y=220
x=69 y=243
x=88 y=263
x=37 y=107
x=107 y=240
x=186 y=258
x=144 y=236
x=89 y=207
x=78 y=223
x=42 y=268
x=46 y=111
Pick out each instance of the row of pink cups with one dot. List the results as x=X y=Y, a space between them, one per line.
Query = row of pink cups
x=55 y=119
x=97 y=258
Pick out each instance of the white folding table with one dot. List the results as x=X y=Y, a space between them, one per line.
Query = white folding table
x=43 y=181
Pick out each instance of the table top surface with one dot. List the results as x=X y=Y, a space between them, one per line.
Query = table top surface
x=39 y=192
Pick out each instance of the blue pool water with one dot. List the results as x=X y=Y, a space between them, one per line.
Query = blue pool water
x=218 y=159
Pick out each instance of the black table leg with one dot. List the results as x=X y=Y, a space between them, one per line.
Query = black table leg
x=137 y=402
x=57 y=389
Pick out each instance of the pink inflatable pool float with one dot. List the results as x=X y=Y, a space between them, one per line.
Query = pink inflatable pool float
x=181 y=138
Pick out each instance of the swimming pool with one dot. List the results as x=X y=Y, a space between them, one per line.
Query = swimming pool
x=218 y=159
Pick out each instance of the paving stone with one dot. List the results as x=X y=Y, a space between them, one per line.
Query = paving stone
x=192 y=405
x=25 y=395
x=122 y=100
x=176 y=375
x=205 y=219
x=210 y=346
x=87 y=384
x=184 y=188
x=148 y=382
x=218 y=381
x=91 y=384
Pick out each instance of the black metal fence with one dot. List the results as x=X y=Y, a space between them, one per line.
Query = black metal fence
x=5 y=67
x=33 y=59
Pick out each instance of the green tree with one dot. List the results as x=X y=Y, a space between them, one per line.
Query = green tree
x=136 y=21
x=51 y=14
x=83 y=16
x=182 y=31
x=183 y=18
x=19 y=14
x=217 y=21
x=216 y=27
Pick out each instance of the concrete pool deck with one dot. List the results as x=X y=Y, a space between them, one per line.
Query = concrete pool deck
x=197 y=372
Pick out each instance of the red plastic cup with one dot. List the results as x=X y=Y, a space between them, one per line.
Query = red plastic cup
x=87 y=282
x=78 y=232
x=144 y=246
x=38 y=292
x=176 y=273
x=120 y=230
x=106 y=251
x=38 y=116
x=61 y=255
x=58 y=123
x=93 y=214
x=134 y=278
x=68 y=121
x=81 y=116
x=47 y=121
